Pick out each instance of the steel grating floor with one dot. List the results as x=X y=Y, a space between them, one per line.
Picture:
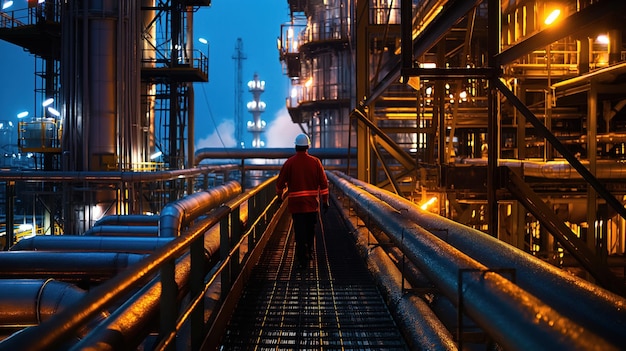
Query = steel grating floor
x=332 y=305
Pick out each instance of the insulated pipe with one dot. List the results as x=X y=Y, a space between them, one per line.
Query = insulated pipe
x=420 y=325
x=514 y=318
x=27 y=302
x=129 y=220
x=267 y=153
x=127 y=327
x=591 y=306
x=65 y=266
x=180 y=213
x=558 y=169
x=122 y=230
x=90 y=243
x=148 y=54
x=102 y=89
x=108 y=177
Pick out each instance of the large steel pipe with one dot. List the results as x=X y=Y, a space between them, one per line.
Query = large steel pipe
x=589 y=305
x=67 y=243
x=180 y=213
x=128 y=326
x=128 y=220
x=266 y=153
x=26 y=302
x=65 y=266
x=514 y=318
x=109 y=176
x=421 y=327
x=122 y=230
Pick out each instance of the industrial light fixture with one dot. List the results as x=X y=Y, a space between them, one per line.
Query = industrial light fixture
x=602 y=39
x=204 y=41
x=22 y=114
x=7 y=4
x=552 y=17
x=428 y=203
x=48 y=102
x=53 y=111
x=156 y=155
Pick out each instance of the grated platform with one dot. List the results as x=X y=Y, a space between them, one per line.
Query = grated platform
x=331 y=305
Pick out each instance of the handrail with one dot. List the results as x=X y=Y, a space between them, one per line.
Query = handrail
x=594 y=308
x=62 y=327
x=223 y=264
x=513 y=317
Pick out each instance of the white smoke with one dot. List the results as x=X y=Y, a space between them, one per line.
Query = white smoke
x=223 y=136
x=281 y=132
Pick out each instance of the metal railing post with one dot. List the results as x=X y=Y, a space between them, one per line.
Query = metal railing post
x=235 y=232
x=224 y=252
x=196 y=286
x=168 y=304
x=253 y=213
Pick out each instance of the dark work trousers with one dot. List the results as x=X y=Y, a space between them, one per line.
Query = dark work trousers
x=304 y=228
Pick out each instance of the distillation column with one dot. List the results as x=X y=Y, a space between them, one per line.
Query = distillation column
x=256 y=107
x=100 y=93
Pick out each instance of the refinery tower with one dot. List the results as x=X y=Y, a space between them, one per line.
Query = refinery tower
x=256 y=107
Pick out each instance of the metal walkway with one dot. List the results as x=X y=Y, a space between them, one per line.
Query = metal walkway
x=332 y=304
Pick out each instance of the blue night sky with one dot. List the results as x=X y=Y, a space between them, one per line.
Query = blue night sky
x=257 y=23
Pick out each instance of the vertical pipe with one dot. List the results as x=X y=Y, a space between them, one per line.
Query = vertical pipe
x=102 y=65
x=520 y=144
x=191 y=101
x=9 y=206
x=148 y=57
x=615 y=46
x=191 y=136
x=174 y=151
x=362 y=88
x=492 y=124
x=592 y=195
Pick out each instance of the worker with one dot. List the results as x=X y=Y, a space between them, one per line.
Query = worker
x=305 y=180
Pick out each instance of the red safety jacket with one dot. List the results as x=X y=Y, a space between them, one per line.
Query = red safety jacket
x=303 y=176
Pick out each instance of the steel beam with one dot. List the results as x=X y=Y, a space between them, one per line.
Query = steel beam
x=577 y=22
x=567 y=154
x=562 y=233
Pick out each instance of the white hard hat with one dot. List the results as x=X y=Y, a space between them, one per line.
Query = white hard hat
x=303 y=140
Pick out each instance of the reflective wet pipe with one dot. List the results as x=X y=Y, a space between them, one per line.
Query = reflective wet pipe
x=514 y=318
x=123 y=230
x=27 y=302
x=85 y=267
x=422 y=329
x=129 y=220
x=588 y=304
x=180 y=213
x=69 y=243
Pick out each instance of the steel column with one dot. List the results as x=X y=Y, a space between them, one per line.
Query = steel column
x=362 y=88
